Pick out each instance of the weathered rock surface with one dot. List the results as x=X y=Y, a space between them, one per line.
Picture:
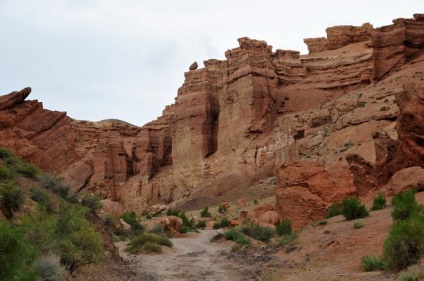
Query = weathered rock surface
x=235 y=119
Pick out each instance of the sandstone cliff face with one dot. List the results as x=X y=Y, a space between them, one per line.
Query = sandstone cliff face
x=234 y=120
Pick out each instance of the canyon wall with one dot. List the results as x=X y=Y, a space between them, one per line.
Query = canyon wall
x=256 y=114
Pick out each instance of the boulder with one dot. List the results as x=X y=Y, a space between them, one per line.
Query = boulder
x=172 y=224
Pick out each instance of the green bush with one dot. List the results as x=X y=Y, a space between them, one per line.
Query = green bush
x=93 y=202
x=222 y=209
x=353 y=209
x=283 y=227
x=158 y=229
x=172 y=212
x=287 y=239
x=147 y=242
x=205 y=213
x=334 y=210
x=323 y=222
x=372 y=263
x=201 y=224
x=379 y=202
x=405 y=244
x=257 y=232
x=11 y=198
x=5 y=173
x=26 y=169
x=5 y=153
x=404 y=205
x=17 y=255
x=39 y=195
x=55 y=184
x=129 y=217
x=223 y=223
x=237 y=236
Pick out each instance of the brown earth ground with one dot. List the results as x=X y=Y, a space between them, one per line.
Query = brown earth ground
x=321 y=252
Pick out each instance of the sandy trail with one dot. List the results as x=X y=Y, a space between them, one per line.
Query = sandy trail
x=191 y=258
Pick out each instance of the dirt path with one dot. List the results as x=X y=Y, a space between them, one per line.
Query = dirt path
x=191 y=258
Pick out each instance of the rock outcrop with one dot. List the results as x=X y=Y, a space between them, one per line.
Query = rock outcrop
x=236 y=119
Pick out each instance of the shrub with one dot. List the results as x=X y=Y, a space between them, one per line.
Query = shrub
x=287 y=239
x=5 y=153
x=158 y=229
x=257 y=232
x=205 y=213
x=413 y=274
x=323 y=222
x=405 y=243
x=92 y=202
x=216 y=237
x=172 y=212
x=129 y=217
x=334 y=210
x=283 y=227
x=201 y=224
x=5 y=173
x=222 y=209
x=55 y=184
x=353 y=209
x=404 y=205
x=49 y=267
x=379 y=202
x=26 y=169
x=147 y=242
x=11 y=198
x=17 y=254
x=223 y=223
x=372 y=263
x=237 y=236
x=358 y=224
x=39 y=195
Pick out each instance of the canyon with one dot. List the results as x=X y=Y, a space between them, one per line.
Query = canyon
x=343 y=120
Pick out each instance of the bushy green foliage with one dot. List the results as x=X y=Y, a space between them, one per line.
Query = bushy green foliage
x=49 y=267
x=205 y=212
x=147 y=242
x=257 y=232
x=201 y=224
x=5 y=153
x=15 y=165
x=173 y=212
x=129 y=217
x=222 y=209
x=353 y=209
x=237 y=236
x=404 y=205
x=379 y=202
x=40 y=196
x=5 y=173
x=92 y=201
x=132 y=220
x=223 y=223
x=334 y=210
x=55 y=184
x=283 y=227
x=11 y=198
x=17 y=255
x=287 y=239
x=405 y=244
x=372 y=263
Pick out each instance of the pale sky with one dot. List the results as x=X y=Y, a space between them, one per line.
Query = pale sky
x=125 y=59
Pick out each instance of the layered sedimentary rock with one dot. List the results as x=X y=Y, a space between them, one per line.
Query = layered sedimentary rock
x=396 y=44
x=236 y=119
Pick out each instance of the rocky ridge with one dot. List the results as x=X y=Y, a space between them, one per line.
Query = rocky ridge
x=237 y=121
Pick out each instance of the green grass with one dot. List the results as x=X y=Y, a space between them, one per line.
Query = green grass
x=283 y=227
x=379 y=202
x=372 y=263
x=358 y=224
x=147 y=243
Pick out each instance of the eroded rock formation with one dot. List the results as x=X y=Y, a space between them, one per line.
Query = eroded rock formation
x=234 y=120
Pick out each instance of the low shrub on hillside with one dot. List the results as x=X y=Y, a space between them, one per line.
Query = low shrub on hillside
x=379 y=202
x=223 y=223
x=11 y=198
x=15 y=166
x=372 y=263
x=353 y=209
x=334 y=210
x=257 y=232
x=404 y=205
x=55 y=184
x=283 y=227
x=92 y=201
x=147 y=243
x=205 y=213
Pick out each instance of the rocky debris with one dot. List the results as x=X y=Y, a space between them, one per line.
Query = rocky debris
x=156 y=209
x=411 y=178
x=193 y=66
x=172 y=225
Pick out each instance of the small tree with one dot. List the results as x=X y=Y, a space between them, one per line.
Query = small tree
x=334 y=210
x=205 y=212
x=404 y=205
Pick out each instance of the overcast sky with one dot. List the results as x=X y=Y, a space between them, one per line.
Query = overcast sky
x=125 y=59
